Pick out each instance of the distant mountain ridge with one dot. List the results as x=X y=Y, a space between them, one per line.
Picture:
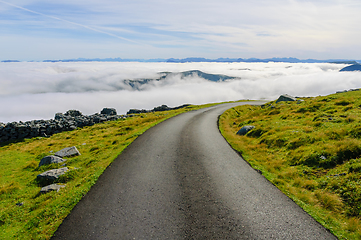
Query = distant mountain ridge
x=136 y=84
x=198 y=59
x=351 y=68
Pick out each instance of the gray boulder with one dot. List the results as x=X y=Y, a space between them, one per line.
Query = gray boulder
x=52 y=187
x=161 y=108
x=53 y=174
x=245 y=129
x=286 y=98
x=67 y=152
x=50 y=159
x=109 y=111
x=73 y=113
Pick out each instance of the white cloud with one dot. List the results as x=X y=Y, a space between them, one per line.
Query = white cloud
x=39 y=90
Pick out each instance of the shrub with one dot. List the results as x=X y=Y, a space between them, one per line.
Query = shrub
x=298 y=142
x=351 y=194
x=310 y=184
x=342 y=103
x=329 y=200
x=274 y=141
x=312 y=108
x=256 y=132
x=68 y=176
x=350 y=150
x=355 y=132
x=317 y=159
x=355 y=168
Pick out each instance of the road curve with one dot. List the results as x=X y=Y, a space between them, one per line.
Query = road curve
x=181 y=180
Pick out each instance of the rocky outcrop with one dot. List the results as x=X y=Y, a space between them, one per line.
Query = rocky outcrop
x=51 y=159
x=286 y=98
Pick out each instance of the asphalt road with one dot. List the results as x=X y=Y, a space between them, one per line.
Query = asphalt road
x=181 y=180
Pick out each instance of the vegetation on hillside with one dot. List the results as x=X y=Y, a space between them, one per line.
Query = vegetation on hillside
x=310 y=150
x=27 y=214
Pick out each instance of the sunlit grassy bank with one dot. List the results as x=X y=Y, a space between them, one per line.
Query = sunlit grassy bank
x=26 y=214
x=311 y=151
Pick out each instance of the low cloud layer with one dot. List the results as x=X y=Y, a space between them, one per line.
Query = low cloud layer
x=39 y=90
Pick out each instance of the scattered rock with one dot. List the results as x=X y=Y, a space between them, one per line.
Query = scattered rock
x=53 y=174
x=136 y=111
x=73 y=113
x=50 y=159
x=259 y=171
x=161 y=108
x=67 y=152
x=245 y=129
x=338 y=175
x=350 y=90
x=109 y=111
x=52 y=187
x=286 y=98
x=156 y=109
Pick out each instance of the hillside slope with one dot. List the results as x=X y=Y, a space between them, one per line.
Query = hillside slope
x=309 y=149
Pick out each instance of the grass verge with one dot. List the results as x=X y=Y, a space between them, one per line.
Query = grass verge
x=310 y=150
x=26 y=214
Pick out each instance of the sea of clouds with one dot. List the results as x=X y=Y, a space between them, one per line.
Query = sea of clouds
x=34 y=90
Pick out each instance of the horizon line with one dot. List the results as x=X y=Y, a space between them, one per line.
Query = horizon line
x=191 y=59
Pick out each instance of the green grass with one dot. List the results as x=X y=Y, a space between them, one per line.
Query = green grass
x=311 y=151
x=40 y=214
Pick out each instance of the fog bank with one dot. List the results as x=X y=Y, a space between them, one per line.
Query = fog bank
x=39 y=90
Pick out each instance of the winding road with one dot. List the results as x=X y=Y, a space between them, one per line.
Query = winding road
x=181 y=180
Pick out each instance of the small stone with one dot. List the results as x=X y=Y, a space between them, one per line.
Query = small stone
x=52 y=174
x=68 y=152
x=50 y=159
x=245 y=129
x=73 y=113
x=52 y=187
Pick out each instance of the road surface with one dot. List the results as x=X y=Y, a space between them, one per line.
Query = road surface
x=181 y=180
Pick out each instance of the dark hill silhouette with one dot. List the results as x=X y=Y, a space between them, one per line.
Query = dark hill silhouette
x=354 y=67
x=206 y=76
x=136 y=84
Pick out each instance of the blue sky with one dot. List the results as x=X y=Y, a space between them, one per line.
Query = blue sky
x=38 y=30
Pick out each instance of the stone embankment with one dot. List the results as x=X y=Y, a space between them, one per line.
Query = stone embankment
x=71 y=120
x=68 y=121
x=156 y=109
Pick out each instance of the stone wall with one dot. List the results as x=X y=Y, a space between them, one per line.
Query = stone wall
x=71 y=120
x=68 y=121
